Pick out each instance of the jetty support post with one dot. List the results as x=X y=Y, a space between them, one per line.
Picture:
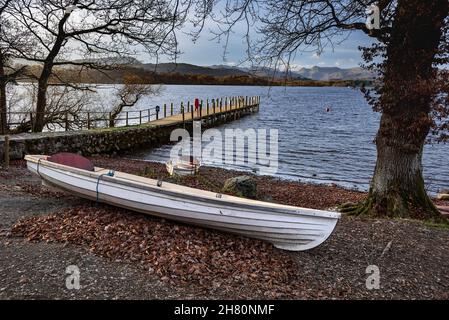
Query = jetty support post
x=6 y=152
x=171 y=109
x=165 y=110
x=183 y=115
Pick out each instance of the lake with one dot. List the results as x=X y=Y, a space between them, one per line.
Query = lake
x=314 y=145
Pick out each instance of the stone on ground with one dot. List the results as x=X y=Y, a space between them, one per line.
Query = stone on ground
x=243 y=186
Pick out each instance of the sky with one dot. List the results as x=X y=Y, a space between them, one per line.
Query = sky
x=207 y=51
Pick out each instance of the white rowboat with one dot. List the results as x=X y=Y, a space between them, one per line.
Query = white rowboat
x=286 y=227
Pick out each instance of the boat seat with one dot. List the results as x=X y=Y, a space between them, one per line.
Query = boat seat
x=72 y=160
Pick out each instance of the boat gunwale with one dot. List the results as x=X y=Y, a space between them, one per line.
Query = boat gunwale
x=105 y=195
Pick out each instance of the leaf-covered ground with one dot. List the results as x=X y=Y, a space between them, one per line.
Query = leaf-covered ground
x=192 y=262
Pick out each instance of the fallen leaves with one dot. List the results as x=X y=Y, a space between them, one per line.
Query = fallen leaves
x=177 y=254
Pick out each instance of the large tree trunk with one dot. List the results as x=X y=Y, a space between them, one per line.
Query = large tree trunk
x=397 y=188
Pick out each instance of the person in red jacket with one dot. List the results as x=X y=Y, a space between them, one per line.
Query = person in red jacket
x=197 y=105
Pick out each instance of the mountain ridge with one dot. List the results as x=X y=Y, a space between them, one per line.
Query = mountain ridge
x=316 y=73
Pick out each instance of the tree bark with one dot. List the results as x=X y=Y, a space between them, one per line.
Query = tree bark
x=3 y=109
x=41 y=104
x=47 y=69
x=397 y=188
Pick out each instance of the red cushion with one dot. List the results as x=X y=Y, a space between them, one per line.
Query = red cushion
x=72 y=160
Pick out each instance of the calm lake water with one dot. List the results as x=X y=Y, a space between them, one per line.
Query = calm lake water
x=314 y=145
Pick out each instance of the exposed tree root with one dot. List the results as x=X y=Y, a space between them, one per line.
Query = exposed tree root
x=396 y=205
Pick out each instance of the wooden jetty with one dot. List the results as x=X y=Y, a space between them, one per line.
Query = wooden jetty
x=143 y=128
x=212 y=111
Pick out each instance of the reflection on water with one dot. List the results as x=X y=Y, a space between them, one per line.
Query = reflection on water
x=325 y=134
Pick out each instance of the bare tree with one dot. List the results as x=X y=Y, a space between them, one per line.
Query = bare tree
x=9 y=73
x=412 y=94
x=95 y=30
x=67 y=107
x=129 y=95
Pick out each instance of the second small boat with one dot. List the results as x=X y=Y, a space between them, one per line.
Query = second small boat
x=185 y=166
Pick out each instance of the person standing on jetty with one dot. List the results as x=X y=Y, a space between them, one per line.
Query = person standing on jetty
x=197 y=106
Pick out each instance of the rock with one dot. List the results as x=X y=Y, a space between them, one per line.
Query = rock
x=443 y=196
x=243 y=186
x=444 y=191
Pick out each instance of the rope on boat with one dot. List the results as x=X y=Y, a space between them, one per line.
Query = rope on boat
x=38 y=167
x=111 y=173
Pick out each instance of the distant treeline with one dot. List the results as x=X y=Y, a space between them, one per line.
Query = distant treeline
x=116 y=76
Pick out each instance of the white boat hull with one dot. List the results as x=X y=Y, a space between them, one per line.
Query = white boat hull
x=286 y=227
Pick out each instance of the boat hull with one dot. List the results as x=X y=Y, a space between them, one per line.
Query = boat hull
x=288 y=228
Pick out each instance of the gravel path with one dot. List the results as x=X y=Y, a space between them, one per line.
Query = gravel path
x=37 y=271
x=412 y=258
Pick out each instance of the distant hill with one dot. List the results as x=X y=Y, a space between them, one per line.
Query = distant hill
x=270 y=73
x=335 y=73
x=183 y=73
x=190 y=69
x=118 y=61
x=314 y=73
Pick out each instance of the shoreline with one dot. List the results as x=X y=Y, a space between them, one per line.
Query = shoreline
x=129 y=255
x=248 y=172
